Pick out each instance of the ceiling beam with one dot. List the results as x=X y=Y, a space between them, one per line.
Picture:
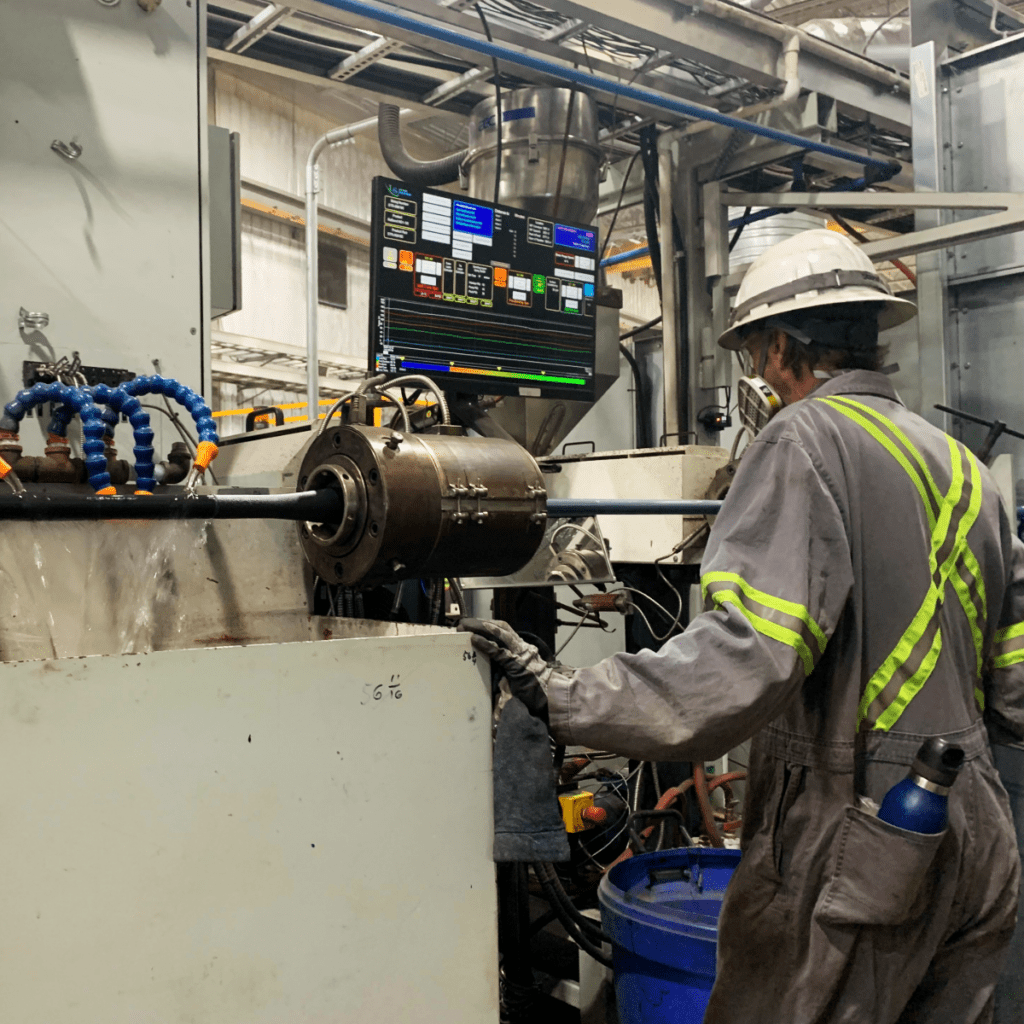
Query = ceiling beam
x=364 y=58
x=256 y=28
x=558 y=34
x=469 y=24
x=736 y=48
x=456 y=86
x=377 y=92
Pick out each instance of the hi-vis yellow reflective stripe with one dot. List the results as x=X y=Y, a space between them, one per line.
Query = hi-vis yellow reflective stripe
x=785 y=621
x=972 y=597
x=950 y=518
x=1009 y=646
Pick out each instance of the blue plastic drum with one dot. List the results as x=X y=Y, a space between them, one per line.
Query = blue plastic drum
x=661 y=912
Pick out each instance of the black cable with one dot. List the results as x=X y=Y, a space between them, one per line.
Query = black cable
x=543 y=921
x=586 y=925
x=436 y=601
x=618 y=206
x=567 y=921
x=324 y=506
x=545 y=649
x=497 y=105
x=640 y=330
x=189 y=440
x=565 y=147
x=652 y=201
x=739 y=231
x=640 y=417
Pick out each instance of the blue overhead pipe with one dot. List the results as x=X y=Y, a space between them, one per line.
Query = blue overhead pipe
x=394 y=18
x=625 y=257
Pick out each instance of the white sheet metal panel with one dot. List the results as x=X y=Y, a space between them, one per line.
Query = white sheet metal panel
x=986 y=121
x=671 y=473
x=249 y=836
x=109 y=244
x=277 y=133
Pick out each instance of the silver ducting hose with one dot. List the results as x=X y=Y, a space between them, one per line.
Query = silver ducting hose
x=417 y=172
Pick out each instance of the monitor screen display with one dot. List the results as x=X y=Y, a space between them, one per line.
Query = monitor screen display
x=482 y=298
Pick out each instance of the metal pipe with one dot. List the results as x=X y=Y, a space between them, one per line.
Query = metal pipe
x=768 y=26
x=857 y=185
x=334 y=137
x=791 y=73
x=313 y=506
x=625 y=257
x=398 y=19
x=575 y=508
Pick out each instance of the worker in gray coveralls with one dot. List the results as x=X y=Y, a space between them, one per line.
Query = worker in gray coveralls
x=863 y=589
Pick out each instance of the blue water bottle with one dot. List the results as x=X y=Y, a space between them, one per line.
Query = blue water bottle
x=920 y=802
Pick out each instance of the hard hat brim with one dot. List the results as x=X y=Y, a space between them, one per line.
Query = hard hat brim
x=894 y=311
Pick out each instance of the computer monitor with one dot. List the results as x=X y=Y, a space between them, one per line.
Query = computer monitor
x=481 y=298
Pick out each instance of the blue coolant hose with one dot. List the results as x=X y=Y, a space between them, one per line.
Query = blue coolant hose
x=100 y=423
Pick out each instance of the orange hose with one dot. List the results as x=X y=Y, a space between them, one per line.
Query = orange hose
x=667 y=798
x=705 y=789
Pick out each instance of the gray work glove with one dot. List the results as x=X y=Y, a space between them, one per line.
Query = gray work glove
x=526 y=671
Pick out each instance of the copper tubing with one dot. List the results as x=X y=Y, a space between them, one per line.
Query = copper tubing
x=671 y=795
x=572 y=768
x=707 y=812
x=724 y=780
x=59 y=468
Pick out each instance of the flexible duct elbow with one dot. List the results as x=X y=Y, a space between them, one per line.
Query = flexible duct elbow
x=417 y=172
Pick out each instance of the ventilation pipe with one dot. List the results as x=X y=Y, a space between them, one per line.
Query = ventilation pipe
x=886 y=40
x=425 y=173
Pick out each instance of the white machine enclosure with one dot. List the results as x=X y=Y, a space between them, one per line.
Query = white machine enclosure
x=110 y=244
x=296 y=832
x=652 y=473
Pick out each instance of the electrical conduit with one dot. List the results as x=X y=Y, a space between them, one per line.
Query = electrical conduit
x=332 y=138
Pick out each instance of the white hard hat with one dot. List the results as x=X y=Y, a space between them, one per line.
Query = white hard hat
x=814 y=268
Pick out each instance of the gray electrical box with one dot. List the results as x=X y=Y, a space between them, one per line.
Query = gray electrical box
x=102 y=175
x=225 y=222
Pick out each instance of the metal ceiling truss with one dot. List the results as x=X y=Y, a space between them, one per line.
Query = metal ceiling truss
x=722 y=280
x=255 y=29
x=652 y=44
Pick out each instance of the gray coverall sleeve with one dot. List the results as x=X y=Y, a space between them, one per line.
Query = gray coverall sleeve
x=776 y=577
x=1004 y=685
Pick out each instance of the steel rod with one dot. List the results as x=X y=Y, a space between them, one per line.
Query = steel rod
x=575 y=508
x=315 y=506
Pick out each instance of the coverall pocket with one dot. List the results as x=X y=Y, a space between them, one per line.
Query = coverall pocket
x=880 y=873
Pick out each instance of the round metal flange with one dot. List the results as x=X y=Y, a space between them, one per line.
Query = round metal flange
x=346 y=559
x=720 y=485
x=342 y=476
